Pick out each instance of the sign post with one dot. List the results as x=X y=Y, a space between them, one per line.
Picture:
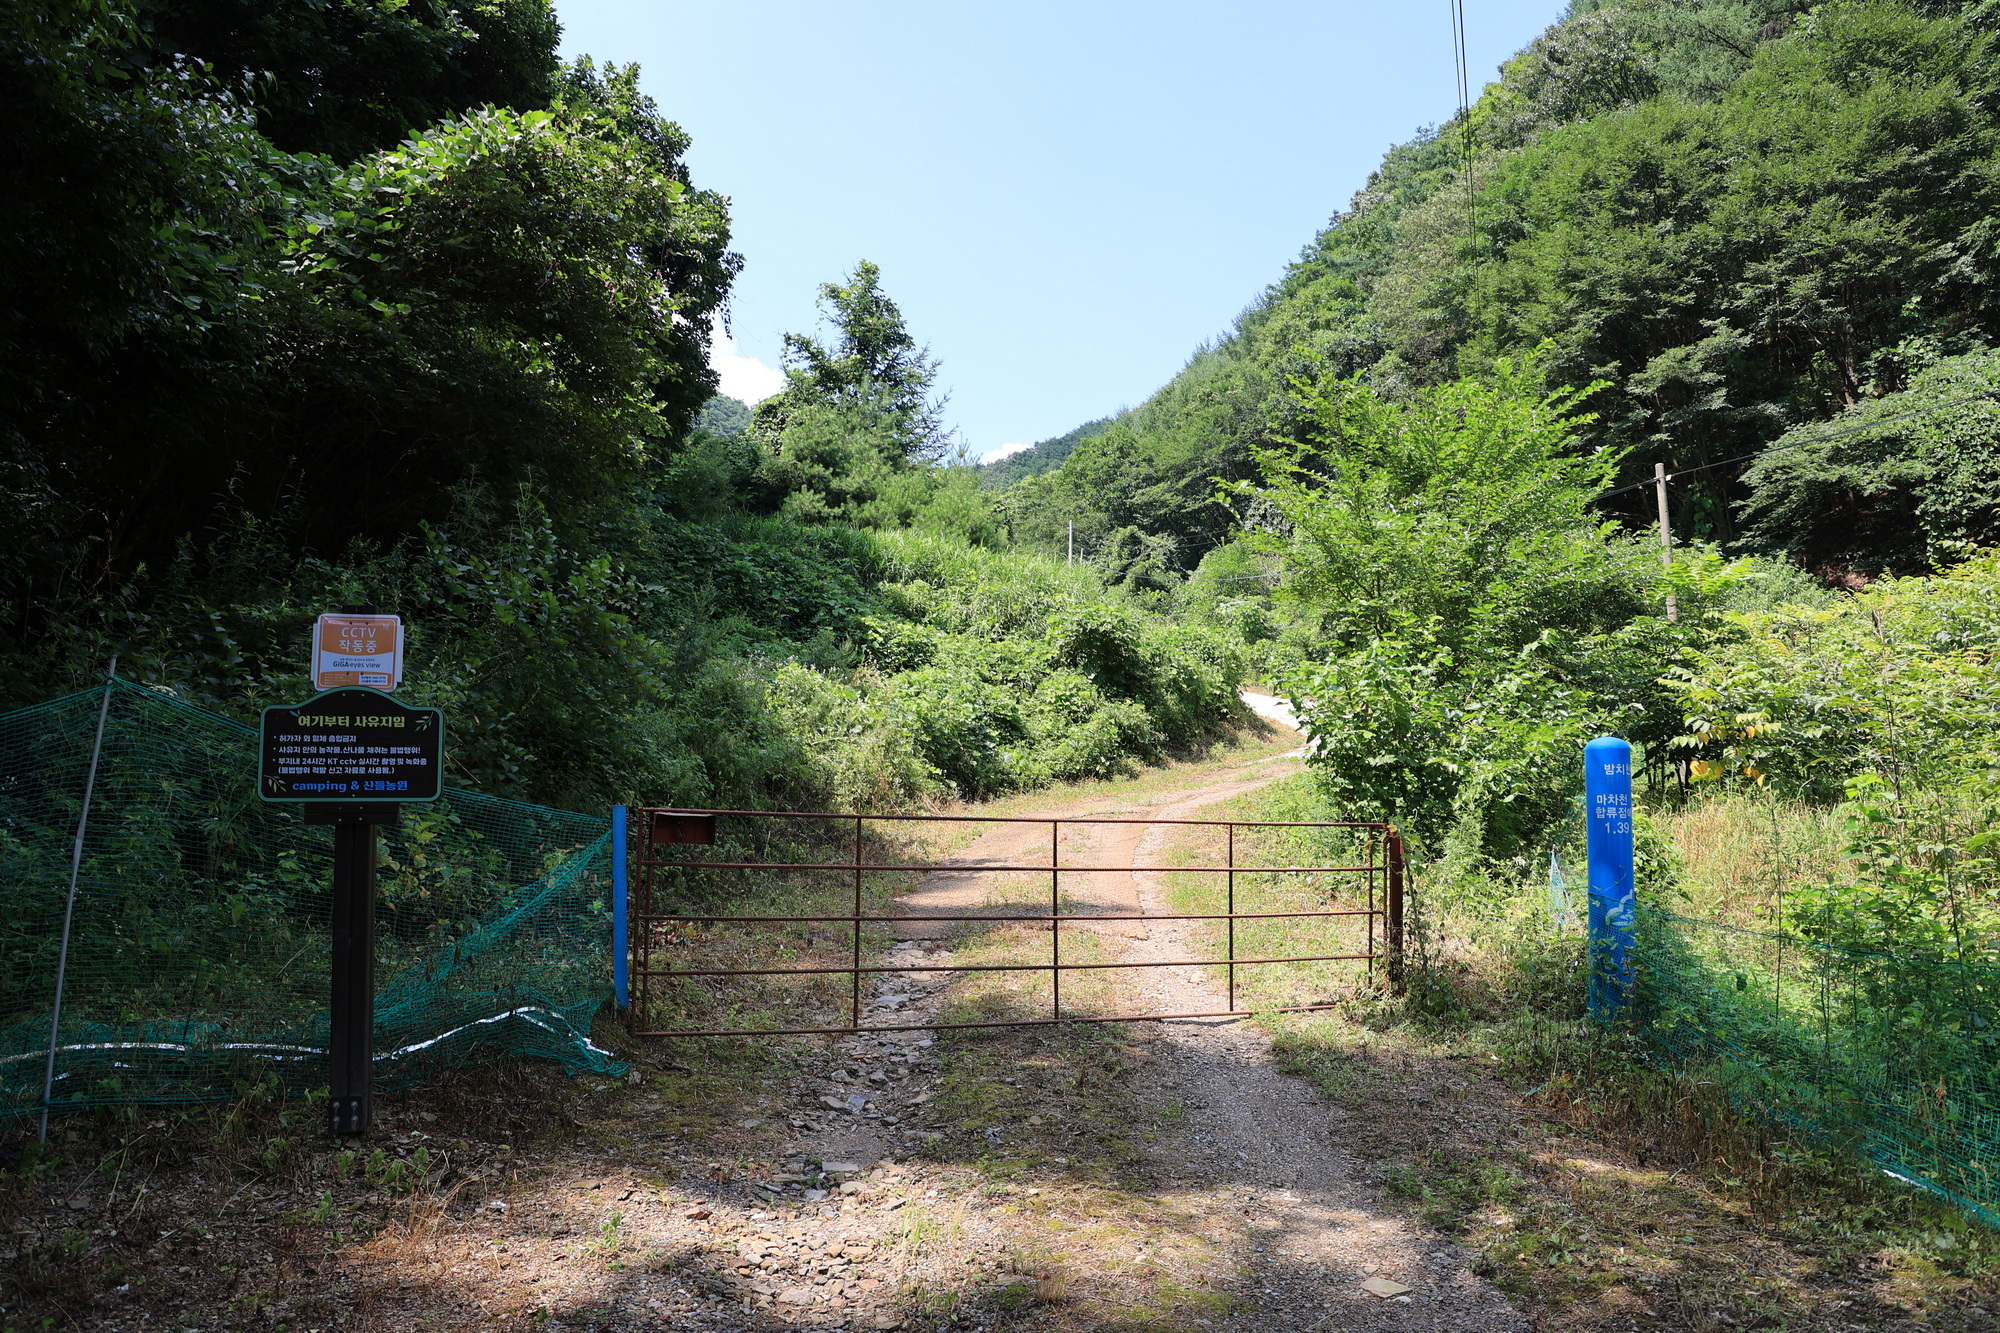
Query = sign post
x=354 y=755
x=620 y=941
x=1607 y=791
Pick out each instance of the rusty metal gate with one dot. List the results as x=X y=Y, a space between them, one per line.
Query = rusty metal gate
x=671 y=843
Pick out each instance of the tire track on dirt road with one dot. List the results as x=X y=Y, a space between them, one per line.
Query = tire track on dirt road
x=1268 y=1139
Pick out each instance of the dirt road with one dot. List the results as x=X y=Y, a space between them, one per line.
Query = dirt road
x=1334 y=1255
x=1164 y=1177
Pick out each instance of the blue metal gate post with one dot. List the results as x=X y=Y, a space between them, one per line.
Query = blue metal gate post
x=619 y=947
x=1607 y=790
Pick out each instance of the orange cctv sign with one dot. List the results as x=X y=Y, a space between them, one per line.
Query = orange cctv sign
x=358 y=650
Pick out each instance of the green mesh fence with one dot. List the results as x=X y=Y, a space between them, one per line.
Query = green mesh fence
x=1893 y=1059
x=199 y=947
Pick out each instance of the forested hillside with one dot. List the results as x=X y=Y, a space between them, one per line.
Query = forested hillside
x=1752 y=241
x=384 y=304
x=1045 y=456
x=310 y=305
x=1742 y=217
x=379 y=303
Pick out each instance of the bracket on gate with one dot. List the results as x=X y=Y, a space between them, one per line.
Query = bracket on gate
x=682 y=826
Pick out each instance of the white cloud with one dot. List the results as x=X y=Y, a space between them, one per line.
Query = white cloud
x=1004 y=451
x=744 y=378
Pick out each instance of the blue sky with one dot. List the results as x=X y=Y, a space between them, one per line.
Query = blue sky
x=1065 y=199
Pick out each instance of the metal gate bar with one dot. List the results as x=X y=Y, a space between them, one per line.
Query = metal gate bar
x=1007 y=967
x=673 y=812
x=1030 y=916
x=982 y=867
x=699 y=827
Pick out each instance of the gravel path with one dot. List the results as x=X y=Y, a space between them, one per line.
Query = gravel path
x=1270 y=1139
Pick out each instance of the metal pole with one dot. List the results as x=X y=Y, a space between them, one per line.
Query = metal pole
x=69 y=903
x=855 y=989
x=1072 y=541
x=620 y=936
x=1371 y=907
x=1666 y=533
x=1232 y=918
x=351 y=1030
x=1055 y=918
x=1392 y=924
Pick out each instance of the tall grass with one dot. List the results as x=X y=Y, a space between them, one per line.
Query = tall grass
x=1735 y=854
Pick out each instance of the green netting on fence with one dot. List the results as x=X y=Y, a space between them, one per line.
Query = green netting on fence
x=1894 y=1059
x=199 y=946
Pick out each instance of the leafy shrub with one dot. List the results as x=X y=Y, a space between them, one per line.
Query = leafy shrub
x=998 y=672
x=1913 y=493
x=1477 y=623
x=1898 y=679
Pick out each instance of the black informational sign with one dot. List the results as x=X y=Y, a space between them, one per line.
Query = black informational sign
x=350 y=745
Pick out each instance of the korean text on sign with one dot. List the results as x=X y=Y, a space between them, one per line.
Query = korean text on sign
x=358 y=650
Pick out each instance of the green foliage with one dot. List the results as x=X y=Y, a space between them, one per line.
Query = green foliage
x=855 y=436
x=985 y=672
x=1896 y=679
x=199 y=323
x=852 y=414
x=1732 y=299
x=724 y=417
x=197 y=941
x=1888 y=699
x=348 y=79
x=1456 y=515
x=1448 y=1187
x=1922 y=878
x=1478 y=622
x=1141 y=492
x=430 y=332
x=1044 y=456
x=1907 y=495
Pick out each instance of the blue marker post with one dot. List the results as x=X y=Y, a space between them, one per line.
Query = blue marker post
x=1607 y=794
x=619 y=947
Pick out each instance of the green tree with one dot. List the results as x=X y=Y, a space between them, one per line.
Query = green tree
x=351 y=78
x=1480 y=621
x=1916 y=492
x=1044 y=456
x=1462 y=514
x=856 y=419
x=199 y=330
x=1738 y=214
x=874 y=364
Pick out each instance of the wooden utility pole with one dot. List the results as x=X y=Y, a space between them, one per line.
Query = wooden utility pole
x=1666 y=533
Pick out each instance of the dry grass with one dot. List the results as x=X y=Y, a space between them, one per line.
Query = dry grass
x=1739 y=852
x=1280 y=984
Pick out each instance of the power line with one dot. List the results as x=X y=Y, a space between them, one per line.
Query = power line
x=1463 y=71
x=1800 y=444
